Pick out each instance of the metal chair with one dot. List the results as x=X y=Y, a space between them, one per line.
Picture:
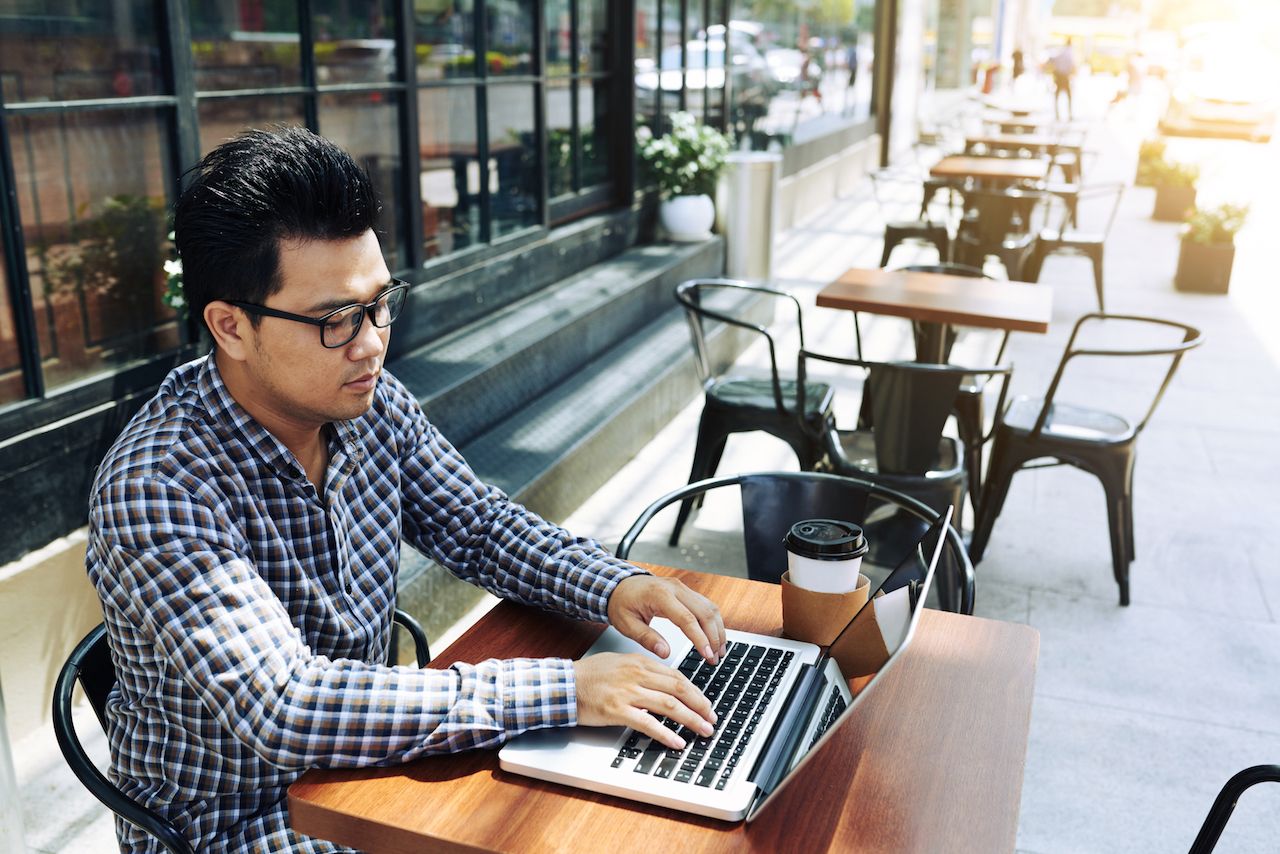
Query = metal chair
x=774 y=501
x=1101 y=443
x=897 y=231
x=1216 y=821
x=740 y=404
x=91 y=666
x=1069 y=237
x=902 y=446
x=999 y=223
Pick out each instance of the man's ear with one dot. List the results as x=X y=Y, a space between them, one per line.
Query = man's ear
x=229 y=327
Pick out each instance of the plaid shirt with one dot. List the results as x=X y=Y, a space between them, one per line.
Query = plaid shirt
x=249 y=615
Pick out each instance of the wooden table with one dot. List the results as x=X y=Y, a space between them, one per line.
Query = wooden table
x=931 y=761
x=1039 y=143
x=937 y=300
x=990 y=170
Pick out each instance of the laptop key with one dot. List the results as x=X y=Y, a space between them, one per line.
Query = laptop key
x=683 y=776
x=705 y=778
x=650 y=756
x=667 y=766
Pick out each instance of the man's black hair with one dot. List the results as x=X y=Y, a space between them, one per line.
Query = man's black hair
x=254 y=191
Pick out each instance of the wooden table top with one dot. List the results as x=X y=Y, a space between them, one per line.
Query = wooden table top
x=1018 y=140
x=939 y=298
x=990 y=168
x=931 y=761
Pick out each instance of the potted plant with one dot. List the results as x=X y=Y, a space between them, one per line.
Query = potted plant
x=1208 y=249
x=685 y=164
x=1150 y=158
x=1175 y=185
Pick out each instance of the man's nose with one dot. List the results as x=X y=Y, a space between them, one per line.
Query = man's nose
x=369 y=341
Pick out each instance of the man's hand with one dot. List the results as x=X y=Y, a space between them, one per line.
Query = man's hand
x=615 y=689
x=640 y=598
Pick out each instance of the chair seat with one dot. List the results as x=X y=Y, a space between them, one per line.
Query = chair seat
x=922 y=226
x=855 y=450
x=742 y=393
x=1068 y=423
x=1071 y=237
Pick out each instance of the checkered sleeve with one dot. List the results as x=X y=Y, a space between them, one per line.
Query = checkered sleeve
x=482 y=536
x=184 y=577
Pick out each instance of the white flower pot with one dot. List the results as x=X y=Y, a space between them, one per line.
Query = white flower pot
x=687 y=219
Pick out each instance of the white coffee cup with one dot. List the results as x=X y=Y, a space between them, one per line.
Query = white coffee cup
x=824 y=555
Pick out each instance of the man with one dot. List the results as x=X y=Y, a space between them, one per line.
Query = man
x=245 y=529
x=1064 y=67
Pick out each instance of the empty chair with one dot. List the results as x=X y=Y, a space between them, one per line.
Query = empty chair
x=735 y=403
x=969 y=409
x=903 y=448
x=897 y=231
x=1216 y=821
x=1099 y=442
x=999 y=223
x=1088 y=240
x=774 y=501
x=91 y=666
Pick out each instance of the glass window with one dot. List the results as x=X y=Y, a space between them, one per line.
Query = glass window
x=11 y=387
x=91 y=193
x=102 y=50
x=559 y=36
x=446 y=38
x=593 y=35
x=510 y=35
x=354 y=42
x=515 y=182
x=245 y=45
x=367 y=126
x=559 y=137
x=646 y=71
x=594 y=120
x=223 y=118
x=449 y=164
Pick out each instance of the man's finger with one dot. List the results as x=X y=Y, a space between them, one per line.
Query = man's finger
x=680 y=614
x=670 y=681
x=708 y=617
x=643 y=722
x=643 y=634
x=669 y=706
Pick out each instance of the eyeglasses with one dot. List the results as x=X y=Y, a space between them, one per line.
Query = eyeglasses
x=340 y=326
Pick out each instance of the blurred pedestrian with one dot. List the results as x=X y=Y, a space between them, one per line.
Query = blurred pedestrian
x=1064 y=67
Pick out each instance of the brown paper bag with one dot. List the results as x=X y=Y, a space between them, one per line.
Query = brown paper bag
x=819 y=617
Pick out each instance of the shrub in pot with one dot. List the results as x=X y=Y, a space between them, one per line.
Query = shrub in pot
x=1150 y=158
x=1175 y=185
x=1208 y=249
x=685 y=163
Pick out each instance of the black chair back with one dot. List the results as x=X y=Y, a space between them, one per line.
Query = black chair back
x=991 y=217
x=694 y=294
x=774 y=501
x=1092 y=209
x=90 y=665
x=1191 y=338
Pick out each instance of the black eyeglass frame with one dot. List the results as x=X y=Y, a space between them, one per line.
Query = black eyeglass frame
x=366 y=310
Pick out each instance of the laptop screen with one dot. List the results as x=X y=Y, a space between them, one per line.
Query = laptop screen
x=863 y=650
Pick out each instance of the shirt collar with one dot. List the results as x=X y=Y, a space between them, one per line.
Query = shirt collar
x=226 y=412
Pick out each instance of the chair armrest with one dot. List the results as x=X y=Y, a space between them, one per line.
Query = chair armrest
x=414 y=628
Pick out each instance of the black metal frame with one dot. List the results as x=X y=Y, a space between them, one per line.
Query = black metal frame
x=1216 y=821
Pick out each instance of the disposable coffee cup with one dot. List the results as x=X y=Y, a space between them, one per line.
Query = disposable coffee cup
x=824 y=555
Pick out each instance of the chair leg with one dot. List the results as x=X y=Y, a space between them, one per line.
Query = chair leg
x=969 y=421
x=1031 y=270
x=1096 y=258
x=706 y=456
x=1117 y=526
x=888 y=250
x=1000 y=471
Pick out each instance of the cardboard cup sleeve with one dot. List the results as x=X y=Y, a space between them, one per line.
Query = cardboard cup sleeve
x=818 y=617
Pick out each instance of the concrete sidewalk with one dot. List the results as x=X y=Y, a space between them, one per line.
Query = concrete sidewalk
x=1140 y=713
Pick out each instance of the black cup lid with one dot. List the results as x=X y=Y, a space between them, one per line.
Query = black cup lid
x=826 y=539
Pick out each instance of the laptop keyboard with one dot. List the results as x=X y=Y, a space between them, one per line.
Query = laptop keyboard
x=740 y=688
x=835 y=705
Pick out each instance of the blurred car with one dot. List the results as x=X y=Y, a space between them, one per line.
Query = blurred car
x=704 y=69
x=1226 y=99
x=786 y=65
x=357 y=61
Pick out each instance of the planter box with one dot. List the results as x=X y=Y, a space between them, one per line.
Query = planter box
x=1172 y=203
x=1204 y=268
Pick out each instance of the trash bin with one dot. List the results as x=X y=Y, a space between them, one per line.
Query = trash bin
x=747 y=213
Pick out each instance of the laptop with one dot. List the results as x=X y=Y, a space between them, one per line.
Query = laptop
x=776 y=701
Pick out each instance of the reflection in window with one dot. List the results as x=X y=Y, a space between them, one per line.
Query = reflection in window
x=354 y=43
x=646 y=63
x=245 y=45
x=593 y=116
x=11 y=388
x=103 y=50
x=510 y=37
x=792 y=67
x=445 y=39
x=513 y=156
x=367 y=126
x=559 y=137
x=559 y=37
x=449 y=176
x=593 y=35
x=223 y=118
x=92 y=201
